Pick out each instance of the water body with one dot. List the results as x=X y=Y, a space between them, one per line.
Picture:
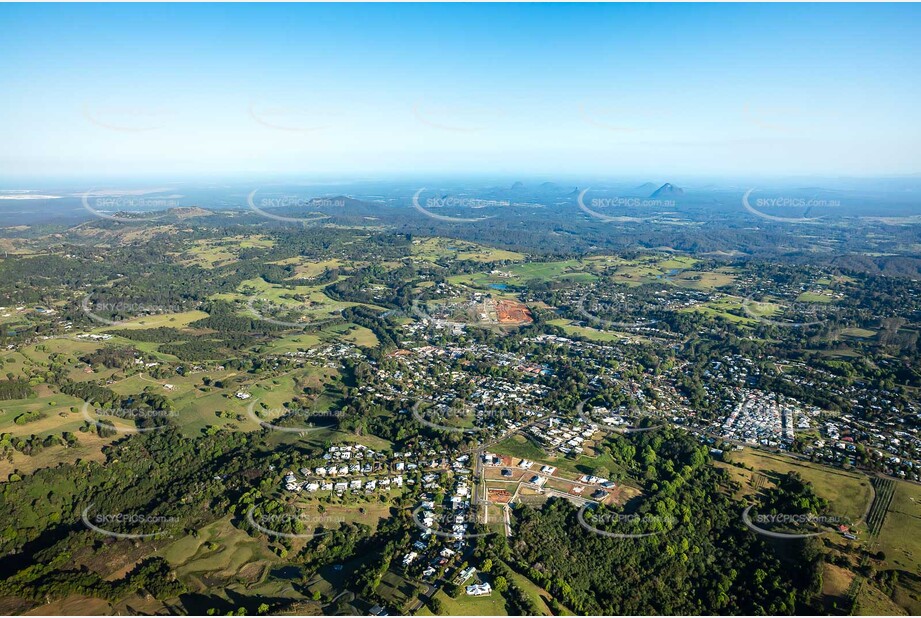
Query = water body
x=669 y=274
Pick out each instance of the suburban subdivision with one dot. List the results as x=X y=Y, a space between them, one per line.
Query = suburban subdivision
x=460 y=309
x=348 y=420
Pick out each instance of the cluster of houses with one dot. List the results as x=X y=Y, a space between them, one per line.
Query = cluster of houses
x=414 y=376
x=565 y=436
x=894 y=452
x=94 y=337
x=449 y=519
x=329 y=355
x=355 y=485
x=347 y=470
x=459 y=502
x=435 y=556
x=755 y=423
x=764 y=418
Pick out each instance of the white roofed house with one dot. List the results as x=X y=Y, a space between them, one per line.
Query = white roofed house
x=479 y=590
x=465 y=575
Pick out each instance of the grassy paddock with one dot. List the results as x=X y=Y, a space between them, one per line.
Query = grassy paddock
x=848 y=493
x=900 y=535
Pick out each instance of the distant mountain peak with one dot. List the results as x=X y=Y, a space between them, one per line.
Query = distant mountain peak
x=666 y=190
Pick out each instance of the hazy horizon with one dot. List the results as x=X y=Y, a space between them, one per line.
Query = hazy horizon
x=670 y=91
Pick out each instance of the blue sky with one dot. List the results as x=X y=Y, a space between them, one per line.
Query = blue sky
x=372 y=90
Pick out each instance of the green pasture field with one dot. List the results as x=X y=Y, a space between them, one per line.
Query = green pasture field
x=219 y=549
x=434 y=249
x=592 y=333
x=719 y=308
x=859 y=333
x=173 y=320
x=492 y=605
x=210 y=253
x=848 y=493
x=900 y=536
x=814 y=297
